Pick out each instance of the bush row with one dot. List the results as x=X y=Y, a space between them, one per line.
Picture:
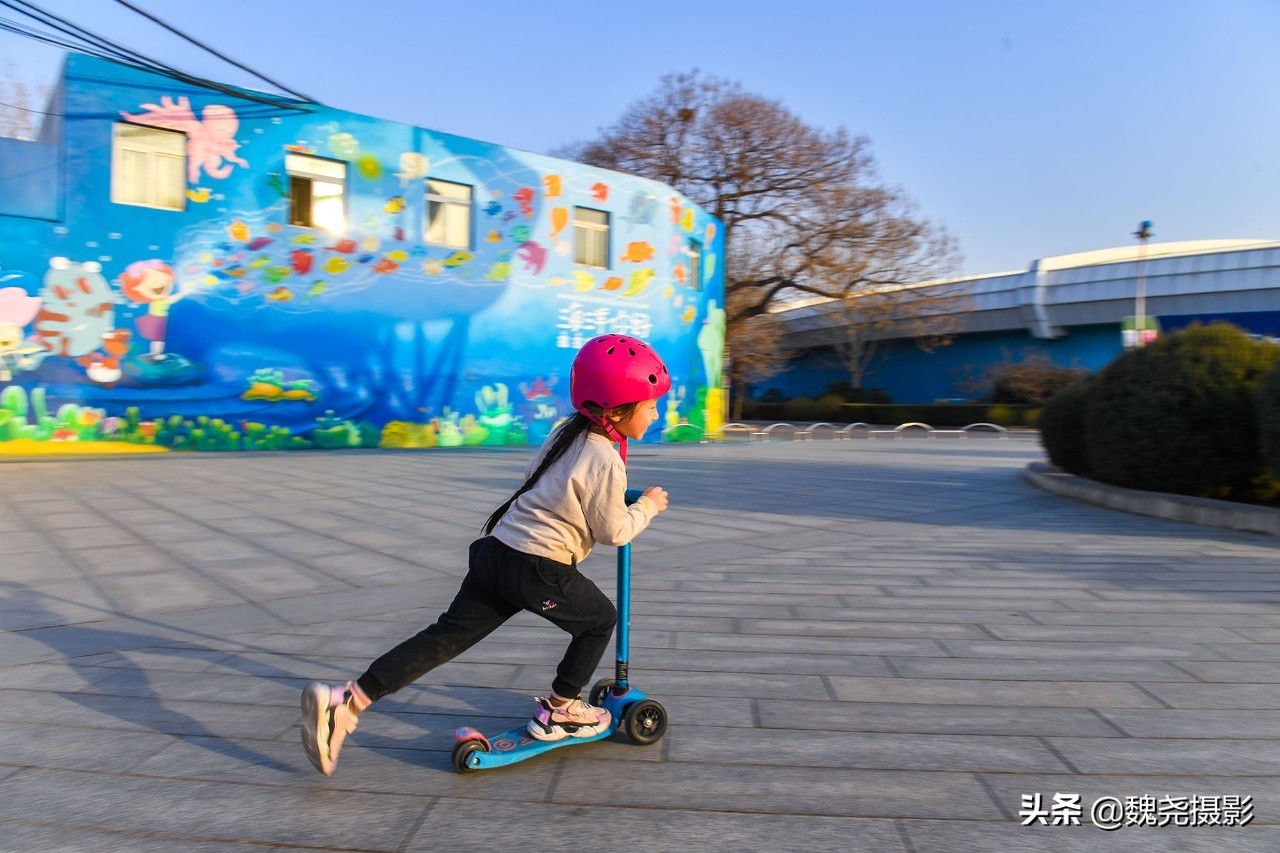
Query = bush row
x=1195 y=413
x=833 y=409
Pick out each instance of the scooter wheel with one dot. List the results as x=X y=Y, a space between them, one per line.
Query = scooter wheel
x=645 y=721
x=465 y=759
x=596 y=696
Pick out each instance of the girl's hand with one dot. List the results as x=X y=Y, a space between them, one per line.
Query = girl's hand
x=658 y=495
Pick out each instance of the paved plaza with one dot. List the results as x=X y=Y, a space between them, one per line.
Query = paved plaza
x=863 y=645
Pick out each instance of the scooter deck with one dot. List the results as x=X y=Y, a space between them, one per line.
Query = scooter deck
x=516 y=745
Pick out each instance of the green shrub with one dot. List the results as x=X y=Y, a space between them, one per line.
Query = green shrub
x=1180 y=415
x=1062 y=428
x=1269 y=421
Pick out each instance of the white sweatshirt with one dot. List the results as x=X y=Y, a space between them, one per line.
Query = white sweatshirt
x=579 y=501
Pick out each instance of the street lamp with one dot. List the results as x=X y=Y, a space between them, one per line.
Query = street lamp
x=1139 y=335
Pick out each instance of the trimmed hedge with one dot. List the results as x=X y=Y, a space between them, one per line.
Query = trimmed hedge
x=1180 y=415
x=1062 y=431
x=831 y=409
x=1269 y=421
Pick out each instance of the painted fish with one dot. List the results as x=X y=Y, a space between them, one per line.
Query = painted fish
x=335 y=266
x=385 y=266
x=533 y=256
x=600 y=191
x=280 y=294
x=432 y=267
x=259 y=242
x=493 y=208
x=301 y=260
x=551 y=185
x=238 y=231
x=457 y=259
x=259 y=262
x=639 y=282
x=200 y=194
x=395 y=204
x=500 y=271
x=494 y=236
x=398 y=255
x=613 y=282
x=346 y=246
x=559 y=219
x=583 y=280
x=638 y=252
x=524 y=196
x=679 y=273
x=276 y=274
x=304 y=239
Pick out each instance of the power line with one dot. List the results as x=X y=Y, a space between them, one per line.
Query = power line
x=206 y=47
x=96 y=45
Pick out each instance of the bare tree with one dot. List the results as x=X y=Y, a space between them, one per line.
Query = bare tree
x=803 y=210
x=21 y=104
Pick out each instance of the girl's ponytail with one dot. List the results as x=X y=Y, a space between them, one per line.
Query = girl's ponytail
x=564 y=438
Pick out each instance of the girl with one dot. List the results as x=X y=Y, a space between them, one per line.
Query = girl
x=573 y=497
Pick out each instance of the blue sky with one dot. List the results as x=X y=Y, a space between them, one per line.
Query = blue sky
x=1027 y=129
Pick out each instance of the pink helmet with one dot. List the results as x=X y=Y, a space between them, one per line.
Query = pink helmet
x=613 y=370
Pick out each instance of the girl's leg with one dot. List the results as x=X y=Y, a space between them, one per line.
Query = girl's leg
x=580 y=608
x=477 y=610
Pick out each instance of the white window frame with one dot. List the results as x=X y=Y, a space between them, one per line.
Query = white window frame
x=156 y=160
x=452 y=206
x=313 y=170
x=694 y=279
x=581 y=229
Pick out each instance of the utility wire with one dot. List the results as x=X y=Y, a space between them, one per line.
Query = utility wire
x=106 y=49
x=206 y=47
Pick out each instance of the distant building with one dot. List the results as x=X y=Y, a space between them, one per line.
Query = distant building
x=294 y=274
x=1071 y=308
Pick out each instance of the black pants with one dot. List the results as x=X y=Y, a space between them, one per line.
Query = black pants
x=501 y=582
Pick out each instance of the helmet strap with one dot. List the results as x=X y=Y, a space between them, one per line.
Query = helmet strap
x=610 y=431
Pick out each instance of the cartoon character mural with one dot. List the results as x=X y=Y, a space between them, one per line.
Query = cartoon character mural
x=151 y=284
x=77 y=319
x=18 y=355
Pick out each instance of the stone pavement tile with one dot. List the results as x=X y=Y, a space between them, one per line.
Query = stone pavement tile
x=934 y=836
x=661 y=684
x=1170 y=756
x=1260 y=696
x=1039 y=670
x=210 y=811
x=808 y=645
x=31 y=837
x=1175 y=606
x=1063 y=651
x=913 y=615
x=36 y=744
x=36 y=568
x=128 y=558
x=863 y=750
x=1175 y=620
x=841 y=628
x=1195 y=724
x=175 y=588
x=468 y=825
x=785 y=790
x=953 y=691
x=172 y=686
x=18 y=544
x=148 y=714
x=104 y=536
x=1008 y=789
x=271 y=578
x=1222 y=671
x=1268 y=634
x=935 y=719
x=1115 y=634
x=1244 y=651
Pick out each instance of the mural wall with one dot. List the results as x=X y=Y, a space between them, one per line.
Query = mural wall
x=222 y=326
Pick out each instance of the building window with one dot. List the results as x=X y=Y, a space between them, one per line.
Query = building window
x=695 y=264
x=448 y=214
x=149 y=167
x=317 y=192
x=590 y=237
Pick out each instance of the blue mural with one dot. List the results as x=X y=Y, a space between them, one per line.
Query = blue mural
x=222 y=325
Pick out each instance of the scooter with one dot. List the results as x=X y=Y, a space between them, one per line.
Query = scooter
x=642 y=719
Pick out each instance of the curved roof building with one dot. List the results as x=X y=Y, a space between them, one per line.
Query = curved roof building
x=1072 y=308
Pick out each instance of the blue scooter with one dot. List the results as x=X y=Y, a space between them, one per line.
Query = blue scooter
x=644 y=720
